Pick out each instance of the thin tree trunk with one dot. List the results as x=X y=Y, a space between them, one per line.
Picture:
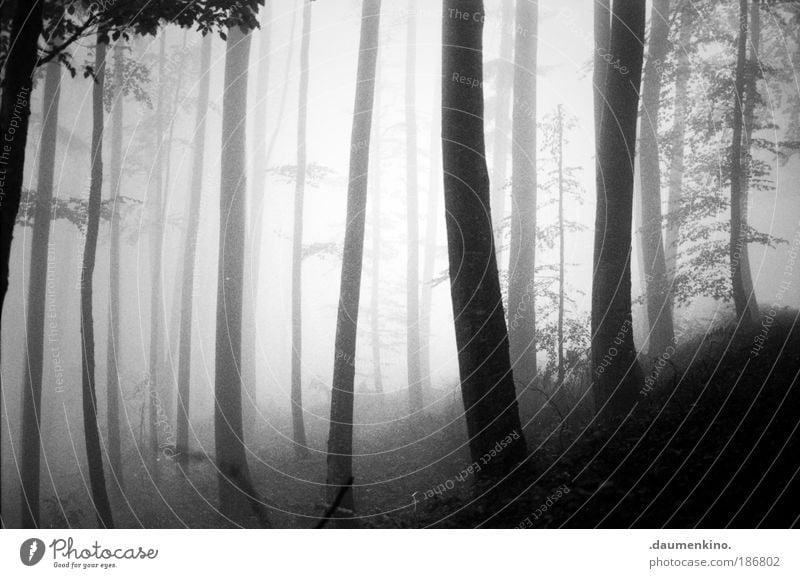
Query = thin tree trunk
x=189 y=257
x=560 y=245
x=15 y=110
x=113 y=348
x=298 y=427
x=676 y=168
x=614 y=364
x=252 y=268
x=659 y=307
x=93 y=452
x=743 y=298
x=751 y=98
x=415 y=401
x=375 y=192
x=37 y=293
x=435 y=175
x=487 y=383
x=235 y=486
x=340 y=438
x=502 y=124
x=522 y=251
x=156 y=288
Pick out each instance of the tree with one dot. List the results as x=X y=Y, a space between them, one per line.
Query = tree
x=487 y=383
x=91 y=431
x=15 y=110
x=189 y=257
x=340 y=438
x=113 y=349
x=560 y=130
x=298 y=427
x=235 y=486
x=522 y=252
x=37 y=286
x=412 y=220
x=659 y=306
x=375 y=193
x=502 y=122
x=614 y=362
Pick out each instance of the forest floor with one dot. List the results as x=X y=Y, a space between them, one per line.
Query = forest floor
x=715 y=445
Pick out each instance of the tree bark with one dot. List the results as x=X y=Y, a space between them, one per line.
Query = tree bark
x=37 y=294
x=15 y=110
x=375 y=192
x=616 y=371
x=659 y=306
x=502 y=124
x=561 y=255
x=298 y=426
x=340 y=438
x=522 y=251
x=113 y=348
x=235 y=487
x=743 y=296
x=92 y=434
x=487 y=383
x=415 y=401
x=189 y=258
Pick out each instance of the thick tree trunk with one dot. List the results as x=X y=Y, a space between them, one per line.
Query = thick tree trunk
x=189 y=257
x=298 y=426
x=659 y=306
x=340 y=438
x=676 y=166
x=616 y=371
x=602 y=39
x=522 y=251
x=92 y=434
x=113 y=348
x=502 y=124
x=235 y=487
x=487 y=383
x=15 y=110
x=37 y=293
x=743 y=296
x=415 y=402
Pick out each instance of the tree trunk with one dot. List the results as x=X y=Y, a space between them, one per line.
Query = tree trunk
x=522 y=251
x=252 y=268
x=602 y=39
x=93 y=452
x=435 y=175
x=156 y=287
x=659 y=306
x=676 y=167
x=189 y=257
x=415 y=402
x=502 y=124
x=487 y=383
x=616 y=371
x=560 y=245
x=375 y=193
x=37 y=294
x=743 y=297
x=15 y=110
x=751 y=98
x=340 y=438
x=235 y=486
x=113 y=348
x=298 y=427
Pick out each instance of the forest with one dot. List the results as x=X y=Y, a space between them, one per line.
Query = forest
x=399 y=264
